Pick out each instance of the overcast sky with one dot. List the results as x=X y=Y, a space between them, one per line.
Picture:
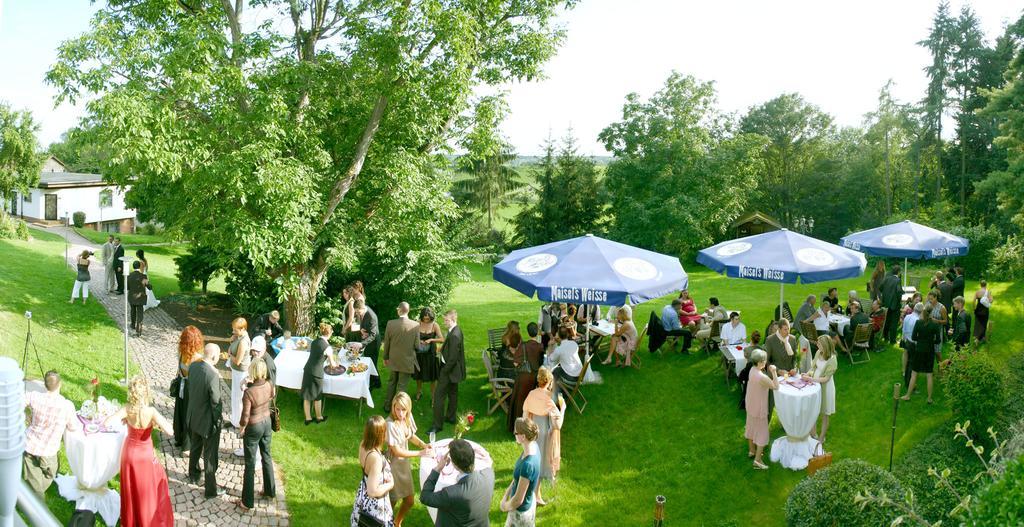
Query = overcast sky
x=837 y=54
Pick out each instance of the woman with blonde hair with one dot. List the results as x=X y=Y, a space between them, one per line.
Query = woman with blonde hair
x=401 y=432
x=82 y=278
x=541 y=409
x=372 y=504
x=756 y=430
x=518 y=500
x=256 y=432
x=623 y=341
x=190 y=349
x=145 y=498
x=823 y=369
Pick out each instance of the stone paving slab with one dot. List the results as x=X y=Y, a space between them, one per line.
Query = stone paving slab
x=156 y=353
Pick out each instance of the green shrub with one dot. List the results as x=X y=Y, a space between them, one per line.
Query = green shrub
x=984 y=239
x=196 y=267
x=1008 y=260
x=940 y=450
x=8 y=229
x=21 y=231
x=78 y=219
x=149 y=229
x=1002 y=502
x=252 y=293
x=827 y=497
x=976 y=390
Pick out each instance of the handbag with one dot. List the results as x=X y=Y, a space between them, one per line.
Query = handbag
x=422 y=347
x=364 y=502
x=175 y=390
x=524 y=366
x=817 y=462
x=275 y=416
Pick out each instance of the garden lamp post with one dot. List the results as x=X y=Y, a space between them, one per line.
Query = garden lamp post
x=67 y=225
x=125 y=261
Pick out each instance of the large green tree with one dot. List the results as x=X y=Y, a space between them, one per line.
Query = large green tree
x=1007 y=105
x=299 y=133
x=890 y=129
x=567 y=202
x=681 y=174
x=799 y=136
x=940 y=42
x=964 y=80
x=491 y=180
x=19 y=157
x=80 y=151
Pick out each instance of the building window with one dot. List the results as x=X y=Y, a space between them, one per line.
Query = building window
x=106 y=198
x=27 y=197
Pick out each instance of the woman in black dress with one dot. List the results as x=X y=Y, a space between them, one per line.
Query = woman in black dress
x=313 y=374
x=426 y=353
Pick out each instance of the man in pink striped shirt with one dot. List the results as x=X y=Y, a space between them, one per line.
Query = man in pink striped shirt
x=52 y=414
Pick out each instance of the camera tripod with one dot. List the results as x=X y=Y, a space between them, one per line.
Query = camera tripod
x=28 y=340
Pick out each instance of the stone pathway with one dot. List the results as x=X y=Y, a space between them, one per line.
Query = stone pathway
x=156 y=352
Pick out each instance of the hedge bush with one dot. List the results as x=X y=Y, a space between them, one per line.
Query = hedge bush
x=984 y=239
x=976 y=390
x=1002 y=502
x=78 y=219
x=827 y=497
x=1008 y=260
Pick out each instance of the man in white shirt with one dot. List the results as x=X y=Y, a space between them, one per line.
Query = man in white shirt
x=733 y=333
x=564 y=361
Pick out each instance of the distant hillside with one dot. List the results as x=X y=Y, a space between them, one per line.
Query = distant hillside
x=533 y=160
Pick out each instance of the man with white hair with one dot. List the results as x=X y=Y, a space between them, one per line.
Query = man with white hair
x=52 y=414
x=806 y=311
x=399 y=346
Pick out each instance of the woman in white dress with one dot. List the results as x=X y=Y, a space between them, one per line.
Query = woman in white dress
x=151 y=300
x=824 y=368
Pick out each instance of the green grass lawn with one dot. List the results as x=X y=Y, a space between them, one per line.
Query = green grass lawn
x=672 y=428
x=80 y=342
x=127 y=239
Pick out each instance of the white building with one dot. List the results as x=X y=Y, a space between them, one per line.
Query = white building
x=59 y=194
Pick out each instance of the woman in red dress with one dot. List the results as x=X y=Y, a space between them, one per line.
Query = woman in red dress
x=145 y=498
x=689 y=315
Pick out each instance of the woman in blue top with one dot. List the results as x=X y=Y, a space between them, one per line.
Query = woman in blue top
x=518 y=500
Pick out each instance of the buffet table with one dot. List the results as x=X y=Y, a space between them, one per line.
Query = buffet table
x=797 y=406
x=449 y=476
x=94 y=459
x=291 y=362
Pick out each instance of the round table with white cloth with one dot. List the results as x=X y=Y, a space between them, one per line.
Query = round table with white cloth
x=840 y=321
x=798 y=409
x=291 y=362
x=449 y=476
x=94 y=459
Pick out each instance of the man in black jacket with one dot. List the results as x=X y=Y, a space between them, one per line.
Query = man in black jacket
x=369 y=335
x=453 y=370
x=958 y=282
x=205 y=415
x=891 y=293
x=268 y=325
x=119 y=265
x=467 y=503
x=137 y=285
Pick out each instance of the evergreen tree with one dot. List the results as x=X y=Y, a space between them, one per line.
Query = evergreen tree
x=491 y=180
x=963 y=81
x=940 y=44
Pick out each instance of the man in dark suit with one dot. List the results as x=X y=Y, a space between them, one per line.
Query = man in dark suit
x=268 y=325
x=369 y=334
x=958 y=282
x=119 y=265
x=467 y=503
x=400 y=338
x=205 y=415
x=891 y=294
x=137 y=284
x=453 y=370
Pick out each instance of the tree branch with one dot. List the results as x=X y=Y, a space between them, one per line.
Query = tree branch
x=342 y=186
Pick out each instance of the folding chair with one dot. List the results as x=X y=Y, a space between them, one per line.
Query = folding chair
x=808 y=330
x=494 y=339
x=861 y=340
x=572 y=388
x=501 y=388
x=715 y=337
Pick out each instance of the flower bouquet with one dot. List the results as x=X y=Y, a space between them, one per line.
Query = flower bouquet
x=93 y=413
x=463 y=424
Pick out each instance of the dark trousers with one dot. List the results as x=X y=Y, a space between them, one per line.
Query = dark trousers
x=120 y=280
x=910 y=347
x=397 y=382
x=685 y=333
x=182 y=437
x=136 y=316
x=892 y=327
x=207 y=448
x=445 y=389
x=257 y=436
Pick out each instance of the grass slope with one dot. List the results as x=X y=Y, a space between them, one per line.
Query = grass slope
x=100 y=238
x=672 y=428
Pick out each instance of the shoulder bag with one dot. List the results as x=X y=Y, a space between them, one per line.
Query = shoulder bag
x=275 y=415
x=365 y=505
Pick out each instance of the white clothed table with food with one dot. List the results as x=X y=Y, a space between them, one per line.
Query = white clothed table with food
x=351 y=380
x=94 y=457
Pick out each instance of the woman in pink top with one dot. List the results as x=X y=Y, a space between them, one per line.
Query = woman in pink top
x=689 y=315
x=757 y=406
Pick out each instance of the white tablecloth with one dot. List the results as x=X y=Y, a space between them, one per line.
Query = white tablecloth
x=603 y=328
x=448 y=476
x=289 y=375
x=797 y=410
x=842 y=322
x=94 y=460
x=734 y=354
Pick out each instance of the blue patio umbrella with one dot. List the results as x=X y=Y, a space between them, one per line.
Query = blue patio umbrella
x=783 y=256
x=591 y=270
x=907 y=240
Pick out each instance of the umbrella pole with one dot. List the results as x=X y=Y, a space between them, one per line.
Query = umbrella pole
x=904 y=273
x=781 y=300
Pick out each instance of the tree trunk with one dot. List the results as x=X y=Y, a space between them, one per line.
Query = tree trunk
x=963 y=173
x=300 y=301
x=888 y=177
